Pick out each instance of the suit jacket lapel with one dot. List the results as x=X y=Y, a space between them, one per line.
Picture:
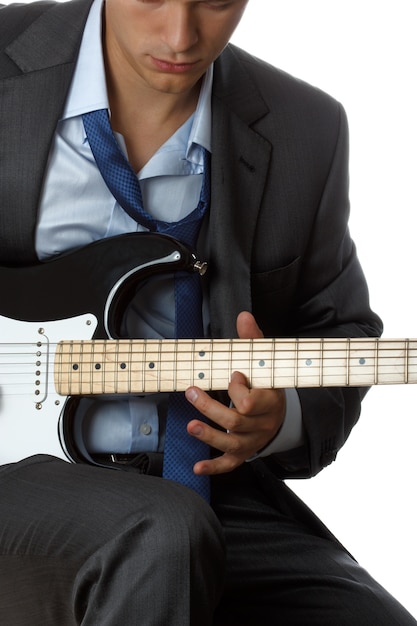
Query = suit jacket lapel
x=239 y=169
x=31 y=103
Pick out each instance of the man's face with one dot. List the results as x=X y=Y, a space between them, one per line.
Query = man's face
x=167 y=45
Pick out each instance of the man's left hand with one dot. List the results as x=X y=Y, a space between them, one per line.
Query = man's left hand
x=253 y=420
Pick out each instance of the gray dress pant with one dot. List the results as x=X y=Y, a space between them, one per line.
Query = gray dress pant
x=87 y=546
x=99 y=547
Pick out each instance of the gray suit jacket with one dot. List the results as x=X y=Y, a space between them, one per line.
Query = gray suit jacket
x=278 y=241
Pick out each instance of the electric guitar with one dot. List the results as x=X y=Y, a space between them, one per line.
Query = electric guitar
x=60 y=340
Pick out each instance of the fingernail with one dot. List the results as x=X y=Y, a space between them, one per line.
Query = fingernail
x=191 y=395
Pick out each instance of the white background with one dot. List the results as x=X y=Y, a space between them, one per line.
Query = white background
x=364 y=54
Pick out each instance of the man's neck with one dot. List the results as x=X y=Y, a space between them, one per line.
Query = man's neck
x=146 y=124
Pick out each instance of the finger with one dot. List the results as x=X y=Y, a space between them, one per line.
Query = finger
x=228 y=418
x=246 y=326
x=236 y=449
x=215 y=438
x=239 y=445
x=254 y=402
x=220 y=465
x=214 y=410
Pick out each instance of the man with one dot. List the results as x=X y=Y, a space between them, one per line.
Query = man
x=90 y=545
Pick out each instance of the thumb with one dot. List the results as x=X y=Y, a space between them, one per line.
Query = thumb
x=246 y=326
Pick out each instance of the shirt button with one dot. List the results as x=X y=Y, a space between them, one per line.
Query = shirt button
x=145 y=429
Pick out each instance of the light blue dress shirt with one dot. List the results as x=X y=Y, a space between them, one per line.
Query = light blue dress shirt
x=77 y=208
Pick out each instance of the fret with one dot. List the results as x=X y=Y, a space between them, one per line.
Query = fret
x=241 y=353
x=284 y=363
x=76 y=367
x=310 y=363
x=96 y=367
x=202 y=364
x=78 y=376
x=392 y=365
x=106 y=366
x=406 y=355
x=117 y=370
x=222 y=363
x=128 y=366
x=210 y=364
x=184 y=364
x=274 y=360
x=231 y=364
x=158 y=374
x=321 y=363
x=87 y=380
x=168 y=364
x=261 y=366
x=412 y=362
x=175 y=365
x=86 y=350
x=118 y=365
x=297 y=346
x=362 y=362
x=151 y=366
x=348 y=346
x=73 y=369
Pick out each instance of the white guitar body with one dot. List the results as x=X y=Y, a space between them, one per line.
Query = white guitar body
x=30 y=408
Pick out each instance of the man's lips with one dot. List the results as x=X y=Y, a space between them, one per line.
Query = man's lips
x=175 y=68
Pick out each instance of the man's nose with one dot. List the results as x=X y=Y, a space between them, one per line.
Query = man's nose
x=179 y=30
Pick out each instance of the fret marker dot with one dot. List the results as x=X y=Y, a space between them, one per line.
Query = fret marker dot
x=75 y=367
x=97 y=366
x=261 y=363
x=123 y=366
x=309 y=362
x=151 y=365
x=201 y=375
x=202 y=353
x=362 y=361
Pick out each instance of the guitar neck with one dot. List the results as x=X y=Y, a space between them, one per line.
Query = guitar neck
x=143 y=366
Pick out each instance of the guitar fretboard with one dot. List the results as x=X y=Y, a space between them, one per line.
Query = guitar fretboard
x=143 y=366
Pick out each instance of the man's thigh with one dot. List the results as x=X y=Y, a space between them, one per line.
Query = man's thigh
x=97 y=546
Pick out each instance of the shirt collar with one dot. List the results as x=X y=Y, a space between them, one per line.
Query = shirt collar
x=88 y=87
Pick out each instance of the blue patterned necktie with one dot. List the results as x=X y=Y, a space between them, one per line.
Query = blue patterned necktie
x=181 y=450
